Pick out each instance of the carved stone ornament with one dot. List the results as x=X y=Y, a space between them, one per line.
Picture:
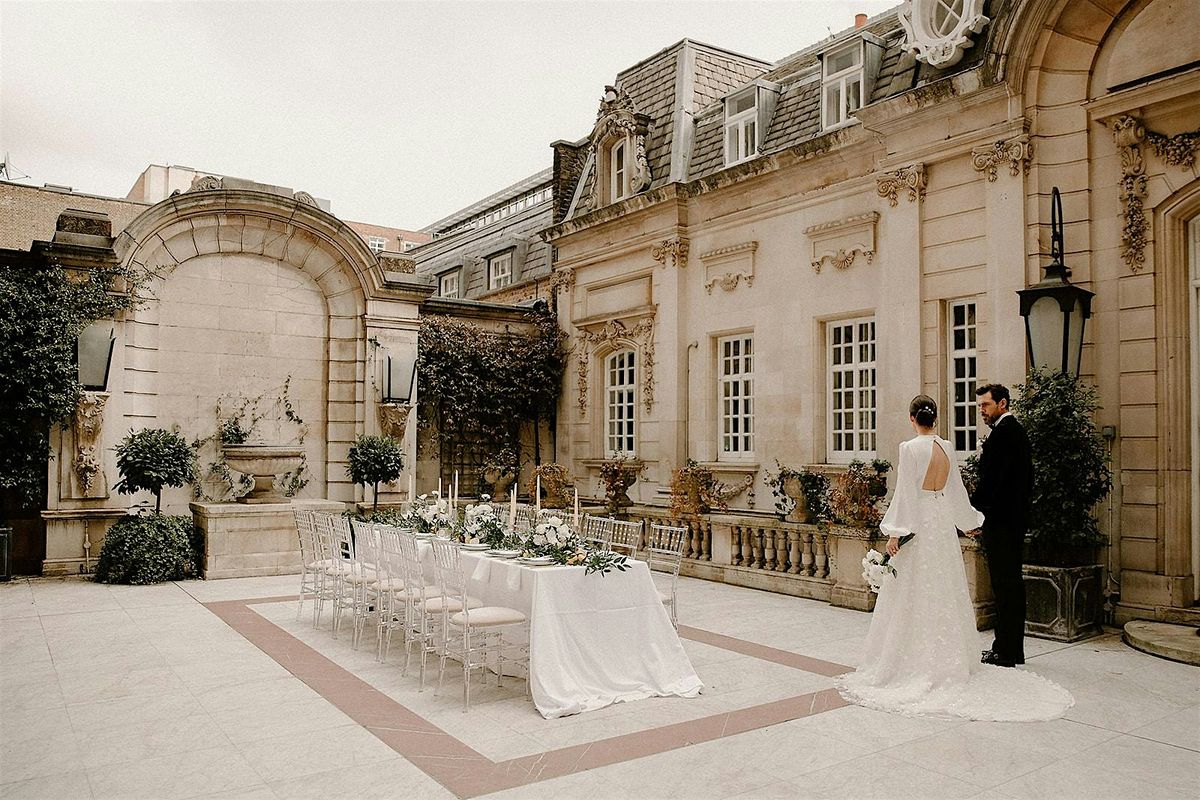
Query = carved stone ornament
x=671 y=252
x=205 y=183
x=393 y=419
x=1129 y=134
x=306 y=198
x=729 y=281
x=1015 y=152
x=86 y=425
x=840 y=242
x=727 y=267
x=618 y=117
x=939 y=31
x=610 y=334
x=911 y=178
x=561 y=280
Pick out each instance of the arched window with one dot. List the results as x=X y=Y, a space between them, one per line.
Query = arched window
x=619 y=171
x=620 y=403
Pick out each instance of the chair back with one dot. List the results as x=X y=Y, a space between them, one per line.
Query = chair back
x=391 y=560
x=448 y=561
x=597 y=531
x=526 y=517
x=325 y=536
x=664 y=547
x=626 y=537
x=410 y=559
x=343 y=542
x=306 y=534
x=366 y=544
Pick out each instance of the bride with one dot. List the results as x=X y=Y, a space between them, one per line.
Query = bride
x=922 y=650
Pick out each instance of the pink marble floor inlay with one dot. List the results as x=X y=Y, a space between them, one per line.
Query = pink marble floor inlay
x=467 y=773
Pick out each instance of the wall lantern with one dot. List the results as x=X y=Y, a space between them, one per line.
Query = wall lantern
x=396 y=375
x=93 y=355
x=1055 y=310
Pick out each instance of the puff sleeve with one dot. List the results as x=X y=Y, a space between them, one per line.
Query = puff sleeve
x=901 y=517
x=965 y=516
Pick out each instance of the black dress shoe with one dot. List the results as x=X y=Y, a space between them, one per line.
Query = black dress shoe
x=997 y=661
x=984 y=656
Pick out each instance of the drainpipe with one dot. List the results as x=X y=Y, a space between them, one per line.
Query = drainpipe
x=687 y=389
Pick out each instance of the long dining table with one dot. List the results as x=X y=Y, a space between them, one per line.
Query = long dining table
x=594 y=639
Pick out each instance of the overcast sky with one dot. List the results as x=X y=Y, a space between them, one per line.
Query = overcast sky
x=399 y=113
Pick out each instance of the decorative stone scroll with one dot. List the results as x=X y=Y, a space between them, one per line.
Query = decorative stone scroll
x=839 y=243
x=727 y=267
x=938 y=31
x=85 y=425
x=1129 y=134
x=306 y=198
x=671 y=252
x=912 y=178
x=1016 y=152
x=610 y=334
x=206 y=183
x=562 y=280
x=393 y=419
x=618 y=117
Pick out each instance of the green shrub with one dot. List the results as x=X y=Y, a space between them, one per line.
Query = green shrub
x=384 y=516
x=148 y=549
x=375 y=460
x=1071 y=472
x=153 y=458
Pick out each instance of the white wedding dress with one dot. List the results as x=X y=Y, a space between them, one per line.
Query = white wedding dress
x=922 y=650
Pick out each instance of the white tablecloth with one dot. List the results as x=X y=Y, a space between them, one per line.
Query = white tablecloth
x=594 y=639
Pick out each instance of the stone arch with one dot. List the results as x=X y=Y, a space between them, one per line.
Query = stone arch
x=259 y=230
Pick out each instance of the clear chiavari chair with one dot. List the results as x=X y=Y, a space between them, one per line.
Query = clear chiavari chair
x=311 y=568
x=392 y=590
x=422 y=606
x=344 y=570
x=664 y=554
x=365 y=576
x=526 y=517
x=597 y=531
x=625 y=538
x=473 y=634
x=326 y=541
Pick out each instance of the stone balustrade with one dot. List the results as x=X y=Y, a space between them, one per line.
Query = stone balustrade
x=821 y=562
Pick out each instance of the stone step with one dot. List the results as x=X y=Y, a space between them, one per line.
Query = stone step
x=1178 y=616
x=1174 y=642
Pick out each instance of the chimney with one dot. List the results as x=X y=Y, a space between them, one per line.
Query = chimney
x=860 y=20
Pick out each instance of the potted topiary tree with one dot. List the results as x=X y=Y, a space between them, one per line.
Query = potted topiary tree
x=375 y=460
x=151 y=548
x=1071 y=475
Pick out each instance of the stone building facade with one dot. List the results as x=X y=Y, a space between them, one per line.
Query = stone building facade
x=764 y=262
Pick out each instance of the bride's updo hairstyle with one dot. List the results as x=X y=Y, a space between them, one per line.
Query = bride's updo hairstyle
x=924 y=410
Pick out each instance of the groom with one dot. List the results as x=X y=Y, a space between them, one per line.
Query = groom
x=1005 y=484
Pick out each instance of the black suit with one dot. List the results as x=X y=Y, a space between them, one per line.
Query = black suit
x=1005 y=484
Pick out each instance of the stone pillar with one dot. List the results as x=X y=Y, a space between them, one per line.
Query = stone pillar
x=847 y=548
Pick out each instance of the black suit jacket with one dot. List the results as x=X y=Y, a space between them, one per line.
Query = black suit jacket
x=1005 y=478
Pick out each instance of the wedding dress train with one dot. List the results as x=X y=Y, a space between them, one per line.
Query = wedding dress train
x=922 y=650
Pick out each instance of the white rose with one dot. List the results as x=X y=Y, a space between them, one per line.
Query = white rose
x=539 y=538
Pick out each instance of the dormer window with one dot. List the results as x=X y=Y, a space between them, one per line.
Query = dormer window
x=618 y=158
x=842 y=84
x=741 y=127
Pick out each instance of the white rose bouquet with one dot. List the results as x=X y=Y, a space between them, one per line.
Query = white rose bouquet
x=481 y=525
x=430 y=514
x=876 y=569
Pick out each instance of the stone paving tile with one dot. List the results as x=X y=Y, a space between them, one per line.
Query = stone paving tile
x=144 y=692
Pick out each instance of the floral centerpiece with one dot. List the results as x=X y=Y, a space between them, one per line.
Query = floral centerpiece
x=481 y=525
x=430 y=514
x=552 y=537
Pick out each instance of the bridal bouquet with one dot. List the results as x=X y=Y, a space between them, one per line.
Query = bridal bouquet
x=876 y=569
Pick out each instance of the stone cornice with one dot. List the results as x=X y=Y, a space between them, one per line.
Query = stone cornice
x=1140 y=97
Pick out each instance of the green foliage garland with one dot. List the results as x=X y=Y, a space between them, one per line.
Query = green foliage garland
x=1071 y=471
x=43 y=309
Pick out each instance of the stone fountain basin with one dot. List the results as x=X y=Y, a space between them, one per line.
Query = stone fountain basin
x=263 y=462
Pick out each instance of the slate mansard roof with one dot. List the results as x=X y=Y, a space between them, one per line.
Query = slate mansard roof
x=682 y=89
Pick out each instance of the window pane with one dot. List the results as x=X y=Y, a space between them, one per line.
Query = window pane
x=853 y=95
x=833 y=104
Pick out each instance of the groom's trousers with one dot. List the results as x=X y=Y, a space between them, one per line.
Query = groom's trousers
x=1003 y=546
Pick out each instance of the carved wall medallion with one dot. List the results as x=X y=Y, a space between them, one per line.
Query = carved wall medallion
x=205 y=183
x=393 y=419
x=86 y=425
x=562 y=280
x=1129 y=134
x=610 y=334
x=671 y=252
x=729 y=281
x=1017 y=153
x=618 y=117
x=912 y=178
x=938 y=31
x=840 y=242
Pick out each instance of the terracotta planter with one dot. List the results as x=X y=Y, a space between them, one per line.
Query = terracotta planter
x=263 y=462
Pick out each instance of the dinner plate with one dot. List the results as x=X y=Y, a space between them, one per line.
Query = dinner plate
x=475 y=547
x=538 y=561
x=424 y=535
x=504 y=553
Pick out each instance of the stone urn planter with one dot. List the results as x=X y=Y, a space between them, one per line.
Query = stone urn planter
x=263 y=462
x=618 y=477
x=1063 y=603
x=794 y=489
x=499 y=480
x=556 y=485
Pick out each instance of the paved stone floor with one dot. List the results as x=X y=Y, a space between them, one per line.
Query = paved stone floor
x=215 y=690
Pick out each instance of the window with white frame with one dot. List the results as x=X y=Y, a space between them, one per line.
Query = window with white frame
x=376 y=243
x=851 y=381
x=618 y=171
x=448 y=284
x=500 y=270
x=842 y=84
x=741 y=127
x=963 y=377
x=735 y=370
x=620 y=405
